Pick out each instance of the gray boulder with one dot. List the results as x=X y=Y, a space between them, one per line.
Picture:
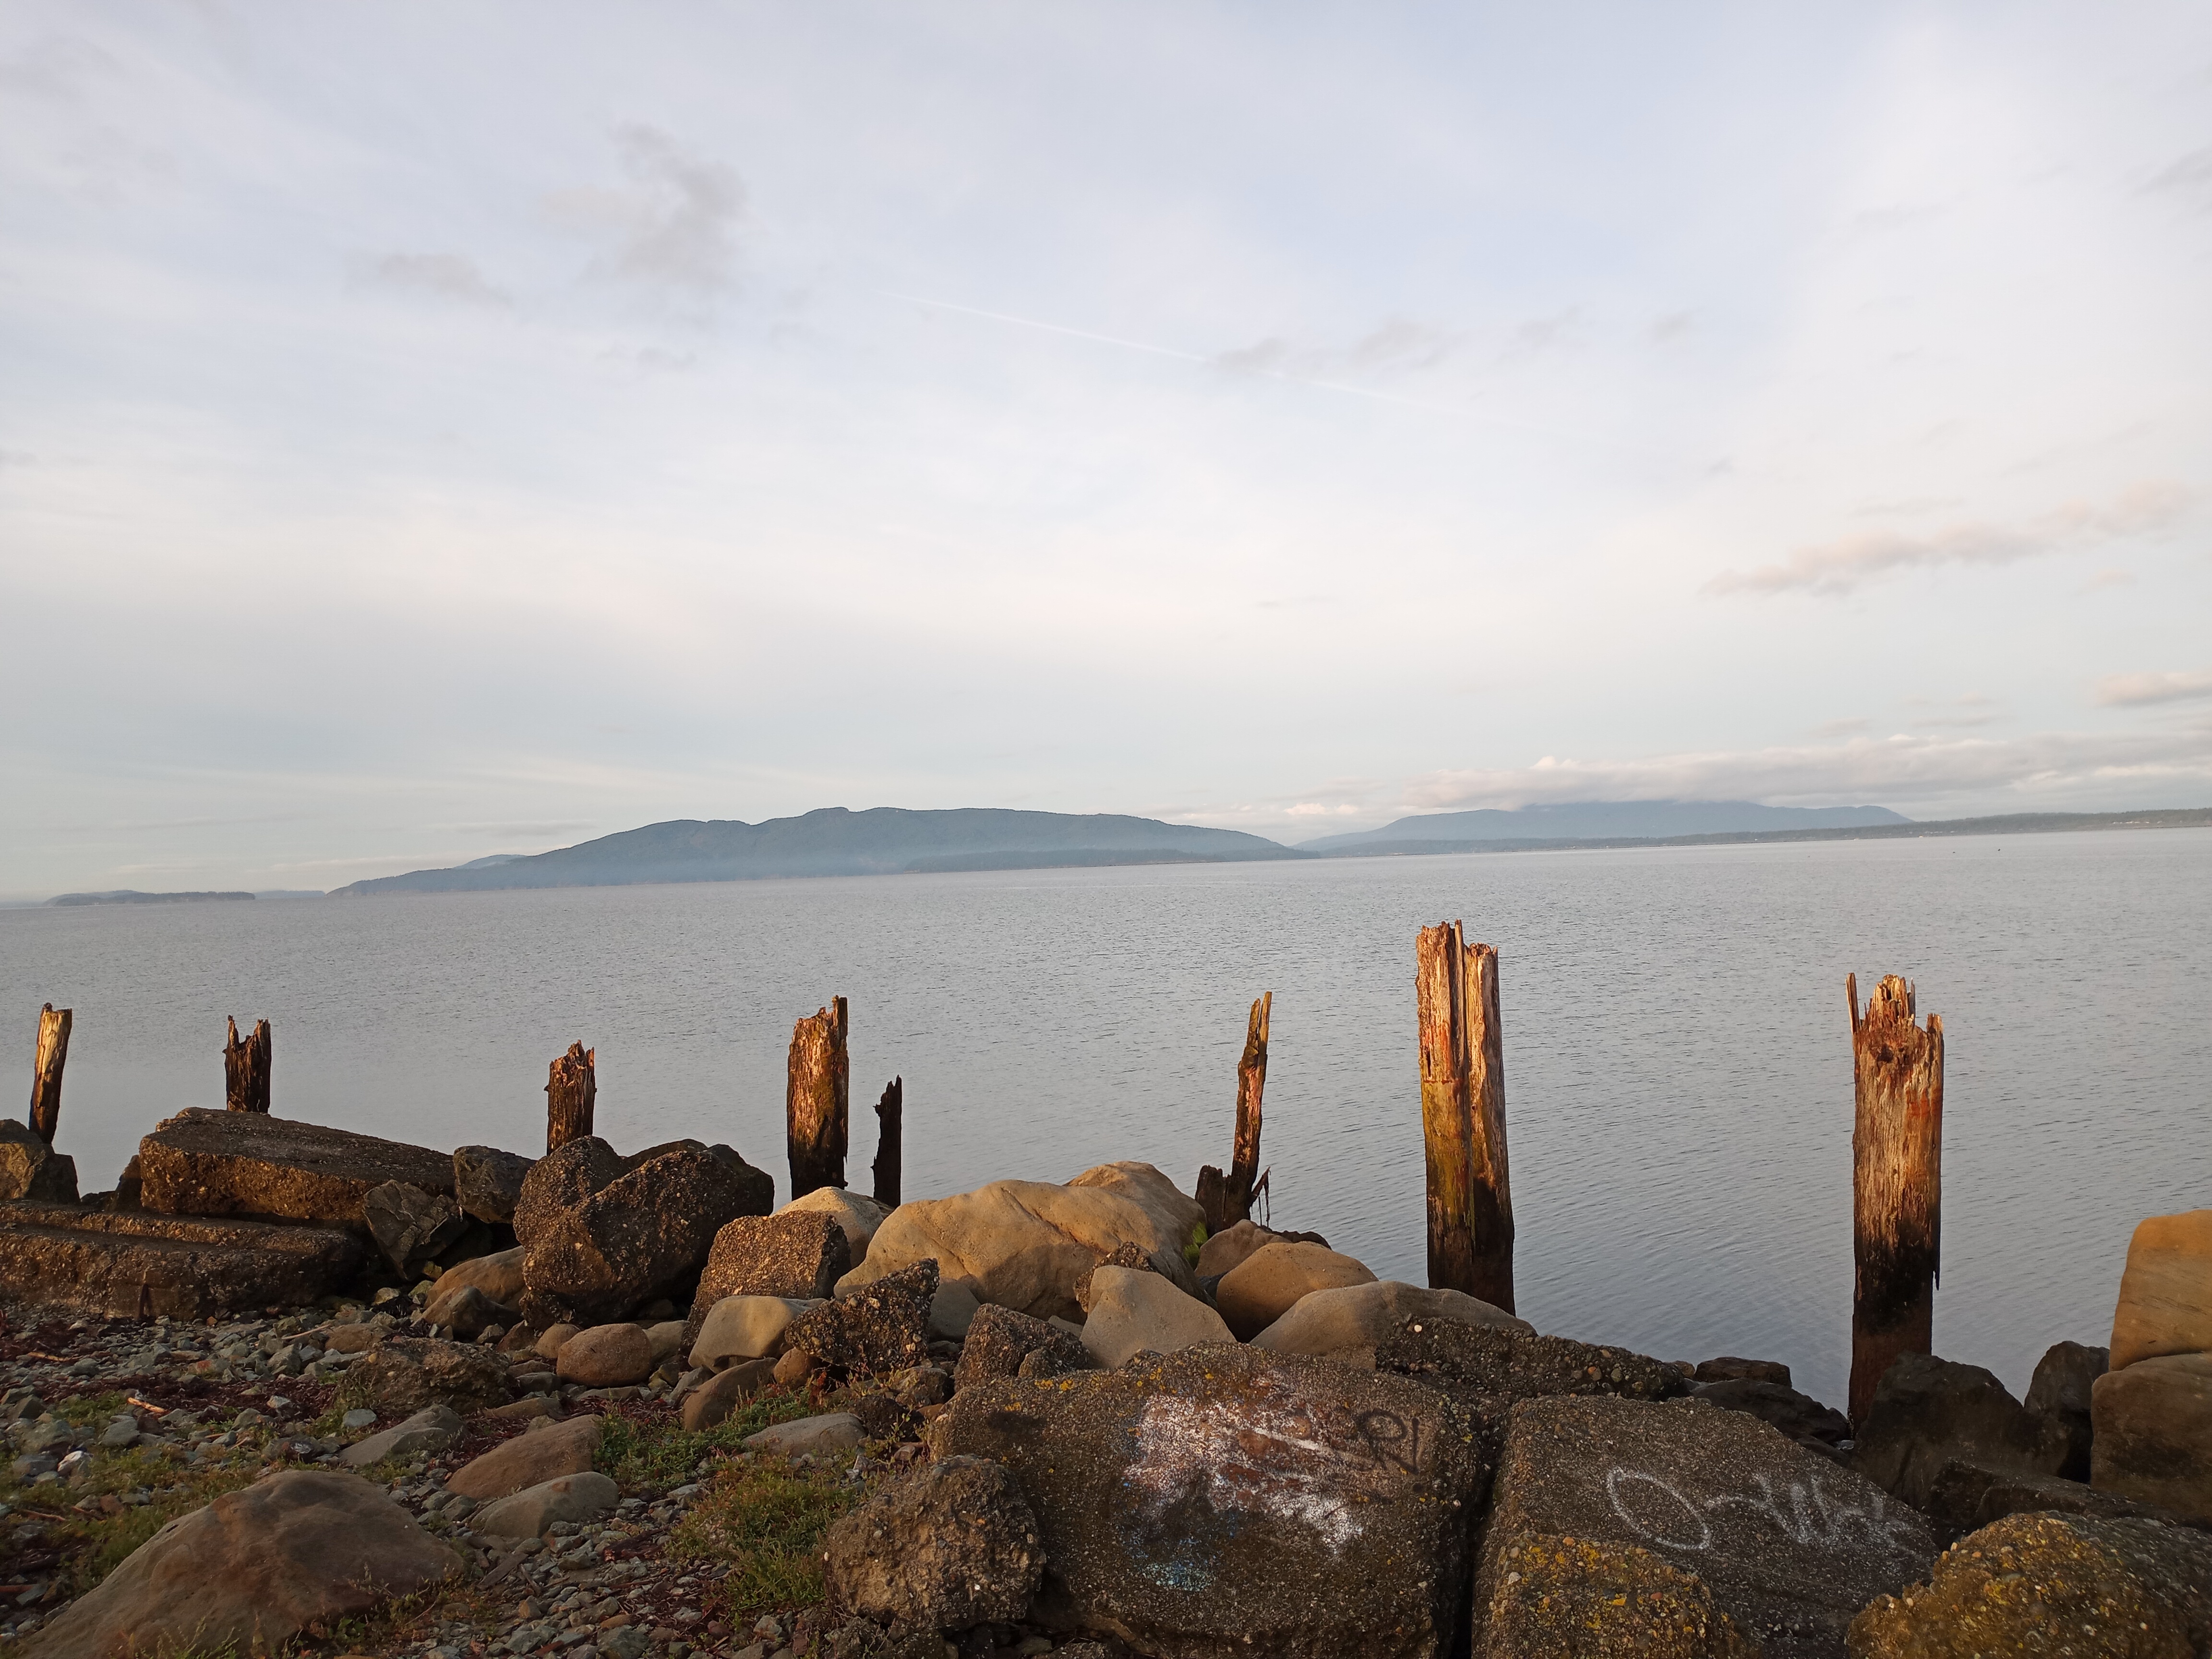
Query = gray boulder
x=432 y=1429
x=403 y=1374
x=1001 y=1342
x=1789 y=1545
x=883 y=1326
x=561 y=1180
x=1929 y=1411
x=1803 y=1418
x=487 y=1182
x=1228 y=1500
x=797 y=1255
x=643 y=1235
x=954 y=1548
x=530 y=1512
x=2060 y=1390
x=1966 y=1497
x=466 y=1311
x=409 y=1226
x=30 y=1169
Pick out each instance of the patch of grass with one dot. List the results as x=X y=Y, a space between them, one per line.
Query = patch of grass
x=93 y=1546
x=766 y=1520
x=90 y=1408
x=666 y=1453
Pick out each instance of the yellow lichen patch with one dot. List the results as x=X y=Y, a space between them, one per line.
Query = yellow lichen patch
x=1555 y=1597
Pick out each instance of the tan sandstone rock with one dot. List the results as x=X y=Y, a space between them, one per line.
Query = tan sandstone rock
x=251 y=1570
x=713 y=1401
x=2153 y=1439
x=1133 y=1311
x=1348 y=1324
x=1275 y=1278
x=856 y=1212
x=746 y=1328
x=498 y=1276
x=606 y=1357
x=1023 y=1244
x=530 y=1460
x=530 y=1512
x=2165 y=1293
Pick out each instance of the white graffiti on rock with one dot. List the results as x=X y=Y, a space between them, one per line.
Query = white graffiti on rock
x=1660 y=1513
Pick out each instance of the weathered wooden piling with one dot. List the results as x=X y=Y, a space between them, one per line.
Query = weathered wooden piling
x=890 y=1153
x=816 y=1099
x=46 y=1071
x=1227 y=1199
x=245 y=1069
x=572 y=1090
x=1897 y=1188
x=1462 y=1047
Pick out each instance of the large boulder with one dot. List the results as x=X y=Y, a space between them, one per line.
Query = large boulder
x=1347 y=1324
x=1001 y=1342
x=1271 y=1280
x=1224 y=1500
x=411 y=1226
x=1221 y=1253
x=1789 y=1545
x=251 y=1570
x=1803 y=1418
x=746 y=1328
x=2153 y=1434
x=1023 y=1244
x=402 y=1375
x=1929 y=1411
x=857 y=1214
x=530 y=1458
x=487 y=1182
x=1966 y=1497
x=643 y=1235
x=2052 y=1584
x=1494 y=1366
x=796 y=1254
x=882 y=1326
x=204 y=1162
x=135 y=1264
x=606 y=1357
x=1565 y=1598
x=499 y=1276
x=1134 y=1312
x=2165 y=1292
x=561 y=1180
x=2060 y=1391
x=954 y=1548
x=32 y=1169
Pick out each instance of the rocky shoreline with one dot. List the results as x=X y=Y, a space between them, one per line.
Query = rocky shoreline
x=291 y=1388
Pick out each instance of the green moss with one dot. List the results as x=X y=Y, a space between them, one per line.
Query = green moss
x=1197 y=1243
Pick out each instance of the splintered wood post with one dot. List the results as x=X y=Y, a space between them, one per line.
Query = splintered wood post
x=815 y=1100
x=890 y=1154
x=1464 y=1116
x=1897 y=1187
x=245 y=1069
x=46 y=1073
x=571 y=1090
x=1227 y=1199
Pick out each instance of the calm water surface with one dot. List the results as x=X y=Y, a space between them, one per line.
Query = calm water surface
x=1678 y=1059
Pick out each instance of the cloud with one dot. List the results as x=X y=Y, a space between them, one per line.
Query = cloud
x=1903 y=768
x=446 y=275
x=675 y=228
x=1839 y=566
x=2135 y=690
x=2191 y=175
x=1398 y=344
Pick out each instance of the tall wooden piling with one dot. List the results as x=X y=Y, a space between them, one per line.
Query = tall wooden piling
x=1897 y=1188
x=1227 y=1199
x=816 y=1099
x=46 y=1071
x=1462 y=1047
x=572 y=1092
x=245 y=1069
x=891 y=1154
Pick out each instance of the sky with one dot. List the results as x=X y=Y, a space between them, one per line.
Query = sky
x=427 y=432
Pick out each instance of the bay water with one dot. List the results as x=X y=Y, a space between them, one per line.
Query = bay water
x=1677 y=1049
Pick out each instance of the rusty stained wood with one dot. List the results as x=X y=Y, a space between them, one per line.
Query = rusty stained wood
x=572 y=1093
x=1462 y=1049
x=46 y=1071
x=1227 y=1199
x=245 y=1069
x=891 y=1156
x=815 y=1102
x=1897 y=1186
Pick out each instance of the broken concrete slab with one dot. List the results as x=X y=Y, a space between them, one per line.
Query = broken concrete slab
x=137 y=1264
x=204 y=1162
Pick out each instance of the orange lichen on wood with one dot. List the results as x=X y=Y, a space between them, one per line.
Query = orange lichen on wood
x=1897 y=1189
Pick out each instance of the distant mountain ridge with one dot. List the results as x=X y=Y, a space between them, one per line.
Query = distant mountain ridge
x=832 y=841
x=127 y=896
x=1610 y=820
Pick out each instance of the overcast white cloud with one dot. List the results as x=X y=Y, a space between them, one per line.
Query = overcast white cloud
x=440 y=432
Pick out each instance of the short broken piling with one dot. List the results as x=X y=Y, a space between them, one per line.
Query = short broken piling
x=891 y=1154
x=1462 y=1044
x=46 y=1071
x=1227 y=1199
x=572 y=1090
x=245 y=1069
x=815 y=1102
x=1897 y=1189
